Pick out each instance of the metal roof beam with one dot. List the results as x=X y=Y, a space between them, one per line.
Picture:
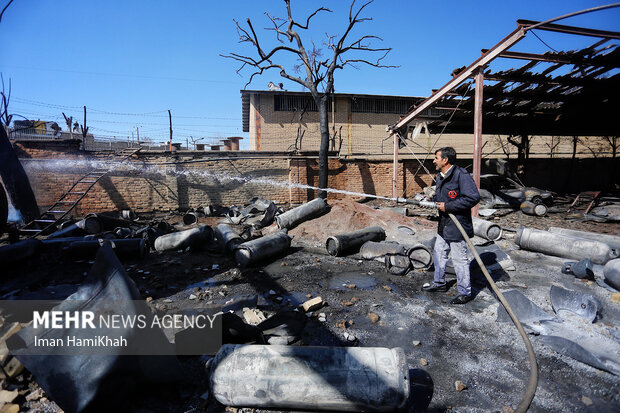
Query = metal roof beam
x=553 y=58
x=581 y=31
x=483 y=60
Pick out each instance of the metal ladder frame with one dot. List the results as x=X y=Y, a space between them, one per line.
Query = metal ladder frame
x=95 y=175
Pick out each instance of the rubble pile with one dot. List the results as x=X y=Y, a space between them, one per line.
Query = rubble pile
x=346 y=215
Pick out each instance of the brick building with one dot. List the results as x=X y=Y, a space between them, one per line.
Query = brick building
x=285 y=121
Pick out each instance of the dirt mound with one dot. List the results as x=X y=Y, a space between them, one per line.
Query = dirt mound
x=346 y=216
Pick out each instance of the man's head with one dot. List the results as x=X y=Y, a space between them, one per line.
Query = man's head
x=444 y=159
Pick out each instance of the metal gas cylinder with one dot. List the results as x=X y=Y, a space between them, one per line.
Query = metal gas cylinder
x=486 y=229
x=530 y=208
x=351 y=242
x=563 y=246
x=317 y=378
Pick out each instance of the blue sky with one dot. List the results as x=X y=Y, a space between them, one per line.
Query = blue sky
x=131 y=61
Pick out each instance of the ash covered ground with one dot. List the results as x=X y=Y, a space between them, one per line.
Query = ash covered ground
x=364 y=306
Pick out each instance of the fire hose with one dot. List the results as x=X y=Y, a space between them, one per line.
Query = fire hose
x=533 y=381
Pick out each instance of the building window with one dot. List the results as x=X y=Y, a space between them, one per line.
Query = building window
x=294 y=103
x=377 y=105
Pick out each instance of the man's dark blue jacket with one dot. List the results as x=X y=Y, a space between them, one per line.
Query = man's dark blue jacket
x=460 y=194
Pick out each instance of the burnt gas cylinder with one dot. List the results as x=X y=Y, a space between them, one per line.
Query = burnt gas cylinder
x=262 y=248
x=486 y=229
x=611 y=271
x=352 y=241
x=530 y=208
x=128 y=214
x=91 y=224
x=612 y=240
x=420 y=256
x=190 y=218
x=227 y=237
x=562 y=246
x=372 y=250
x=124 y=248
x=302 y=213
x=195 y=238
x=109 y=222
x=317 y=378
x=582 y=269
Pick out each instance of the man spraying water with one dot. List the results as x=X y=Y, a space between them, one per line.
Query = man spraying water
x=456 y=194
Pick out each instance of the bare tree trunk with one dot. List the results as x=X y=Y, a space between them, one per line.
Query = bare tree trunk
x=324 y=147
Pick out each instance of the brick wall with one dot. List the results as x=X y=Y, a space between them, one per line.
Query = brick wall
x=162 y=181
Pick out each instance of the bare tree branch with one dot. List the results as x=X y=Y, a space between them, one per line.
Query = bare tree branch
x=4 y=9
x=311 y=16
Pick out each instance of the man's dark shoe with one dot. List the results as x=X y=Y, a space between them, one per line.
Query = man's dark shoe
x=462 y=299
x=435 y=288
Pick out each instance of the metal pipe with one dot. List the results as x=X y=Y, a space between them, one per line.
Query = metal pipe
x=611 y=240
x=563 y=246
x=317 y=378
x=487 y=229
x=611 y=271
x=478 y=100
x=352 y=241
x=227 y=237
x=302 y=213
x=262 y=248
x=195 y=237
x=530 y=208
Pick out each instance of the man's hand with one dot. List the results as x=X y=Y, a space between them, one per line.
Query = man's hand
x=441 y=206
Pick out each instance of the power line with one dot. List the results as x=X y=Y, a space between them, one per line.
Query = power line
x=123 y=75
x=146 y=114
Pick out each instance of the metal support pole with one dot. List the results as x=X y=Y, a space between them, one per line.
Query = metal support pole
x=170 y=118
x=395 y=168
x=478 y=131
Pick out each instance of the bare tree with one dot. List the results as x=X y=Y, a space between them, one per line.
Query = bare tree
x=318 y=75
x=523 y=151
x=613 y=143
x=553 y=145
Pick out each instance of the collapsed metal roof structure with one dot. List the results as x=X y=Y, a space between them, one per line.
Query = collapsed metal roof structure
x=563 y=93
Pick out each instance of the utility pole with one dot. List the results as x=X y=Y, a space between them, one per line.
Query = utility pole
x=84 y=127
x=170 y=117
x=138 y=135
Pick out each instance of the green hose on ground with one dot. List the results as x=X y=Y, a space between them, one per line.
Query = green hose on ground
x=533 y=383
